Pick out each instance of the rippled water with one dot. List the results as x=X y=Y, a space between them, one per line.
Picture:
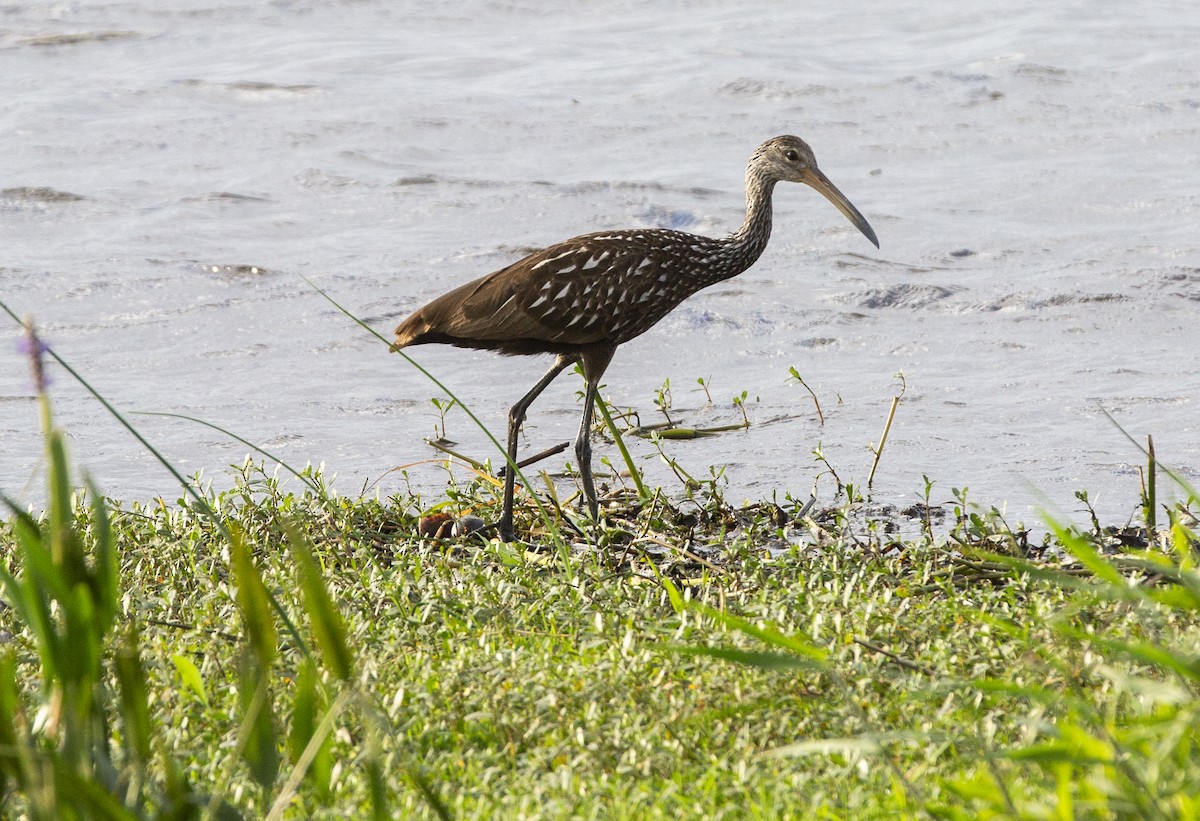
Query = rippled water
x=171 y=169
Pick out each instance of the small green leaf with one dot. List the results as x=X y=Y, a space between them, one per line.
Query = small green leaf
x=189 y=676
x=752 y=658
x=1056 y=752
x=672 y=591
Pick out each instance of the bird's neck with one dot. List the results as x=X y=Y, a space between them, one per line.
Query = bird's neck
x=751 y=238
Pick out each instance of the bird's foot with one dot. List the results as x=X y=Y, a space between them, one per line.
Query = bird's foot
x=502 y=528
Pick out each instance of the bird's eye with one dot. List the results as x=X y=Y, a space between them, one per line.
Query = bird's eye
x=792 y=155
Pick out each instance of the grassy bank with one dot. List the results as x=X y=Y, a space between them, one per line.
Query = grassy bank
x=480 y=680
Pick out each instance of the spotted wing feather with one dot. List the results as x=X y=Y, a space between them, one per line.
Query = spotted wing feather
x=576 y=293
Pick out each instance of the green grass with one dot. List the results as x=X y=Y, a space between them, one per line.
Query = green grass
x=265 y=652
x=488 y=682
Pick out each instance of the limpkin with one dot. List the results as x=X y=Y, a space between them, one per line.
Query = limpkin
x=581 y=298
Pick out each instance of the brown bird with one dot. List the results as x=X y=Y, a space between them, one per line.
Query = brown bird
x=582 y=298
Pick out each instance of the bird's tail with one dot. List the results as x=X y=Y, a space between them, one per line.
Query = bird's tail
x=410 y=331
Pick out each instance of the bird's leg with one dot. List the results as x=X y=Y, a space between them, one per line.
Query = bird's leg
x=583 y=450
x=593 y=362
x=516 y=416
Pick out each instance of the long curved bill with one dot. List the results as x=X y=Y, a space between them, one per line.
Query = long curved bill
x=814 y=178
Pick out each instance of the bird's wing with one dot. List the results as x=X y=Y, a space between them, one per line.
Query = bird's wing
x=564 y=294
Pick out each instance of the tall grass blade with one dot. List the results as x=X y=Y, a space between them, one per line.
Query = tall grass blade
x=767 y=635
x=106 y=570
x=31 y=594
x=1151 y=511
x=878 y=449
x=315 y=761
x=253 y=601
x=315 y=765
x=308 y=480
x=634 y=473
x=258 y=739
x=1175 y=475
x=200 y=502
x=135 y=701
x=116 y=414
x=376 y=781
x=1088 y=556
x=328 y=627
x=1184 y=665
x=85 y=797
x=12 y=743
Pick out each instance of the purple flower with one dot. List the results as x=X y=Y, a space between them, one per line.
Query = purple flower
x=32 y=346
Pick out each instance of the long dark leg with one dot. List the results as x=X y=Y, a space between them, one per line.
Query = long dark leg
x=515 y=417
x=583 y=451
x=594 y=362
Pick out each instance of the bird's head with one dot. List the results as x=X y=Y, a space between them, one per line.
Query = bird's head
x=789 y=159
